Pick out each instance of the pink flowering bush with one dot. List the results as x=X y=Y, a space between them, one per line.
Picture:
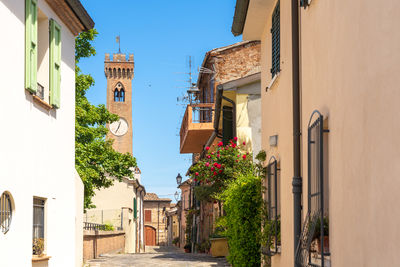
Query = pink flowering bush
x=219 y=167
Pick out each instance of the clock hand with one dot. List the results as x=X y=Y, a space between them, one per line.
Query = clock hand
x=118 y=126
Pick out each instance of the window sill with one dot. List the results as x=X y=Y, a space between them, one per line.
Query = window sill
x=272 y=82
x=36 y=258
x=41 y=102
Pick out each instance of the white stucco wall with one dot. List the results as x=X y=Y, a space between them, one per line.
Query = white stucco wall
x=37 y=151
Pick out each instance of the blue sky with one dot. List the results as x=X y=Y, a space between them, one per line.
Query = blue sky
x=161 y=35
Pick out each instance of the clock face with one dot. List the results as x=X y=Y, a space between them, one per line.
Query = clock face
x=119 y=127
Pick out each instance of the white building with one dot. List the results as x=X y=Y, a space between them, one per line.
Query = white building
x=121 y=205
x=41 y=193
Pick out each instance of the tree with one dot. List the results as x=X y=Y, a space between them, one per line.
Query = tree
x=95 y=159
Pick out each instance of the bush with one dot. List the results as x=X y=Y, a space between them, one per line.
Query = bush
x=175 y=241
x=108 y=227
x=243 y=205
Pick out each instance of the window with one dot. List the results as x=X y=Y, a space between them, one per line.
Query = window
x=116 y=95
x=275 y=32
x=38 y=226
x=273 y=201
x=5 y=212
x=315 y=232
x=119 y=93
x=227 y=124
x=122 y=95
x=42 y=55
x=147 y=215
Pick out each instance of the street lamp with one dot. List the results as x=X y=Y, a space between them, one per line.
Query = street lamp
x=179 y=179
x=176 y=195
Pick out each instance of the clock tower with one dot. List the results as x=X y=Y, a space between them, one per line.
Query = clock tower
x=119 y=74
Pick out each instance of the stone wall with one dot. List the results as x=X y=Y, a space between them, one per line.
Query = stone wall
x=100 y=242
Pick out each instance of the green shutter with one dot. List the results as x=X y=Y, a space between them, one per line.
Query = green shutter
x=55 y=63
x=134 y=208
x=31 y=25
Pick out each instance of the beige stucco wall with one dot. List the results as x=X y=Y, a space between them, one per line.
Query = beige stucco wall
x=349 y=63
x=158 y=219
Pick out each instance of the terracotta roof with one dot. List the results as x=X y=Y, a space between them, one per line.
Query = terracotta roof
x=154 y=197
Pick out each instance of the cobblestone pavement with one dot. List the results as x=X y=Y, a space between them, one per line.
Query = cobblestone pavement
x=157 y=256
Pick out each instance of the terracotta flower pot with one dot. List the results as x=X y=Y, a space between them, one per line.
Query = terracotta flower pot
x=326 y=245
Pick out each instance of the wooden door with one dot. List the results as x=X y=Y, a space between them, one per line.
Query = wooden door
x=150 y=236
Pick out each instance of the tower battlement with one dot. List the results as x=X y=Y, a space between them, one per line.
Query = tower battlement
x=118 y=57
x=119 y=66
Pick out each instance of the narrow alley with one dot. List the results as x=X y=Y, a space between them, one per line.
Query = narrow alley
x=157 y=256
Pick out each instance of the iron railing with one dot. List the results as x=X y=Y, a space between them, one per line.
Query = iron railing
x=94 y=226
x=5 y=212
x=315 y=224
x=40 y=91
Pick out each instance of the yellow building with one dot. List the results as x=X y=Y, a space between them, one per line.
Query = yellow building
x=336 y=169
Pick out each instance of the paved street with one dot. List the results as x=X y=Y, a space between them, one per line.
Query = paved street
x=157 y=256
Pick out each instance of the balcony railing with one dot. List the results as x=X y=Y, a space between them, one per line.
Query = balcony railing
x=197 y=126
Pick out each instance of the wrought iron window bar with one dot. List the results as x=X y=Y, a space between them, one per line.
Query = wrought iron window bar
x=5 y=212
x=273 y=242
x=316 y=213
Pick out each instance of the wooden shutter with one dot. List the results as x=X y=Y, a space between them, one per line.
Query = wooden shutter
x=147 y=215
x=55 y=63
x=134 y=208
x=275 y=32
x=31 y=26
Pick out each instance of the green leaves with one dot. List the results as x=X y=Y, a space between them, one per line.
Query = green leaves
x=243 y=205
x=95 y=159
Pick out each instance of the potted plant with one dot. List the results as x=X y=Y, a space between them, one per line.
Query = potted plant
x=317 y=234
x=175 y=241
x=218 y=240
x=187 y=248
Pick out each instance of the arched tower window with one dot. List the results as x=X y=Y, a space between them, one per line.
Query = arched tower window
x=116 y=95
x=122 y=95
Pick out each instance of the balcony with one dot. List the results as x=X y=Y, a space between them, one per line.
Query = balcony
x=197 y=127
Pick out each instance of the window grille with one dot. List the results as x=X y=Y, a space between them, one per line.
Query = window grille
x=316 y=224
x=38 y=225
x=275 y=32
x=273 y=201
x=5 y=212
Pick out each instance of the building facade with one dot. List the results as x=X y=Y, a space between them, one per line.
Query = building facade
x=155 y=219
x=46 y=194
x=227 y=105
x=329 y=95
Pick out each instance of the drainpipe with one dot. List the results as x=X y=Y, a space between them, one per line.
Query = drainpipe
x=297 y=180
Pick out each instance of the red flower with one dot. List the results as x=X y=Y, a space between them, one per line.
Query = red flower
x=235 y=138
x=208 y=148
x=195 y=179
x=215 y=164
x=197 y=174
x=244 y=143
x=237 y=161
x=220 y=171
x=233 y=145
x=218 y=156
x=215 y=173
x=207 y=164
x=238 y=155
x=220 y=144
x=208 y=156
x=244 y=156
x=219 y=166
x=212 y=169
